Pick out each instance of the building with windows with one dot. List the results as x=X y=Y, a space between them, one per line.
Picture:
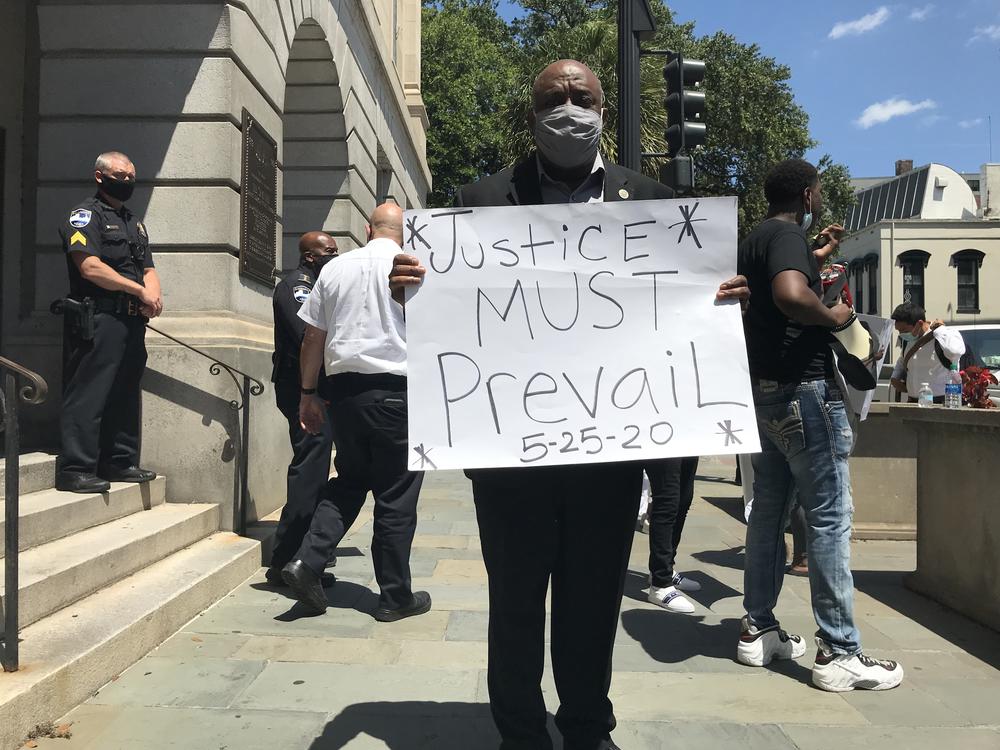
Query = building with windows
x=249 y=123
x=922 y=237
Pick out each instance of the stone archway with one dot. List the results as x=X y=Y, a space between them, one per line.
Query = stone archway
x=314 y=145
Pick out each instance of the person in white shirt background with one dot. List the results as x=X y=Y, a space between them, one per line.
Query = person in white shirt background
x=930 y=350
x=356 y=330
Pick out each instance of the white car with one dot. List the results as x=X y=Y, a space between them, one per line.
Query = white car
x=982 y=348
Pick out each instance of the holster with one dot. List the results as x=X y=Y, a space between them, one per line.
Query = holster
x=78 y=313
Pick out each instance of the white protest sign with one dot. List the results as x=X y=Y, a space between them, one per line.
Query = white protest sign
x=575 y=333
x=881 y=333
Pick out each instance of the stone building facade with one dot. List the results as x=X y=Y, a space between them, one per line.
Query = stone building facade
x=335 y=84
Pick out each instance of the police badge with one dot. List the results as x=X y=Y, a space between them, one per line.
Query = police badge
x=80 y=218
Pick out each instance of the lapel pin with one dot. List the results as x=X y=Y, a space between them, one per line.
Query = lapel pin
x=623 y=194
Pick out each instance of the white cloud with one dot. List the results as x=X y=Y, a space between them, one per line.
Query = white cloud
x=861 y=25
x=880 y=112
x=973 y=123
x=987 y=32
x=920 y=14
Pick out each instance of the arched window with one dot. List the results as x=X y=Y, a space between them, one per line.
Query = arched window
x=871 y=264
x=968 y=263
x=856 y=273
x=913 y=263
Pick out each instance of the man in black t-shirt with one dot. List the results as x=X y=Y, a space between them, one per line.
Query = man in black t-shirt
x=805 y=441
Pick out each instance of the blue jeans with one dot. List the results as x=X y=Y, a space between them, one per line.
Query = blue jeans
x=806 y=440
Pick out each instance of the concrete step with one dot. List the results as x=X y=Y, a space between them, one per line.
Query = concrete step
x=37 y=471
x=70 y=654
x=59 y=573
x=48 y=515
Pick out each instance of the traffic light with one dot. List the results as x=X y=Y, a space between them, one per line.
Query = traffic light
x=685 y=108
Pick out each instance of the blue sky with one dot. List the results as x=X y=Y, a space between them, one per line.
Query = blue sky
x=880 y=82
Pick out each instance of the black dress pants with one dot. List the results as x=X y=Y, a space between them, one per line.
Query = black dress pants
x=671 y=485
x=573 y=525
x=368 y=417
x=307 y=476
x=101 y=395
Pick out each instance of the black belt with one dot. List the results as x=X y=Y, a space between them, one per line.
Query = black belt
x=120 y=304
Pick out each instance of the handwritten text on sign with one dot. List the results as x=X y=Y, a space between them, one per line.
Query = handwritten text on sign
x=575 y=333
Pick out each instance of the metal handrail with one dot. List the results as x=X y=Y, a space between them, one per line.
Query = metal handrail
x=249 y=386
x=34 y=391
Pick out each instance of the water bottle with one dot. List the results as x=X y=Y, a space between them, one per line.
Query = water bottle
x=925 y=397
x=953 y=389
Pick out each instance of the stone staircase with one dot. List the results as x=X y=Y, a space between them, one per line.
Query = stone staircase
x=104 y=579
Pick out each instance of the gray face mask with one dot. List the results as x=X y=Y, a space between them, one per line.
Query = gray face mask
x=568 y=135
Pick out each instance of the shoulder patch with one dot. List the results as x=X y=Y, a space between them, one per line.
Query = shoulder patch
x=141 y=228
x=300 y=293
x=80 y=218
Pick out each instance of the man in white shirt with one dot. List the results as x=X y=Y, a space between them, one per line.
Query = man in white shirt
x=930 y=350
x=352 y=319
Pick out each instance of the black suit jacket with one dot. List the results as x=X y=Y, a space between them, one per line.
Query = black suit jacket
x=519 y=186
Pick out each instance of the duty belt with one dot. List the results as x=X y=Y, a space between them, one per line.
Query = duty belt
x=120 y=304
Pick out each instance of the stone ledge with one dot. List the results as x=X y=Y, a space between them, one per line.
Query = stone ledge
x=938 y=415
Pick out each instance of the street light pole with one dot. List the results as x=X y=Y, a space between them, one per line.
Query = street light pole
x=635 y=23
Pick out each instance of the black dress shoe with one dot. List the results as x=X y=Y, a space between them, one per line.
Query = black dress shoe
x=273 y=576
x=305 y=585
x=83 y=483
x=131 y=474
x=421 y=603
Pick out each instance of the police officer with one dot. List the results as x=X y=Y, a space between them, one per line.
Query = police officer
x=111 y=277
x=310 y=467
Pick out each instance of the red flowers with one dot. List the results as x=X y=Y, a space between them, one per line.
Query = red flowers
x=975 y=382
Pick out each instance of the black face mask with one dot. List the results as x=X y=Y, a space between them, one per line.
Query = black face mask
x=318 y=261
x=117 y=189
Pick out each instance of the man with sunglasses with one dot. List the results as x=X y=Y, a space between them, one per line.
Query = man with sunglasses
x=114 y=290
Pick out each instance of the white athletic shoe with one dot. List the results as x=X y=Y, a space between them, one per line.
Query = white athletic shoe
x=759 y=647
x=670 y=599
x=685 y=584
x=839 y=673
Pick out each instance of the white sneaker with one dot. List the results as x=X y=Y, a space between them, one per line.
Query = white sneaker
x=759 y=647
x=670 y=599
x=679 y=582
x=839 y=673
x=685 y=584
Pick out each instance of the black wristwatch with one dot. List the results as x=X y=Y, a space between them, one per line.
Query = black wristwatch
x=308 y=391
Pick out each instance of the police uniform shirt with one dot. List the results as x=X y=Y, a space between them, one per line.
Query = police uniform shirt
x=116 y=236
x=289 y=294
x=351 y=301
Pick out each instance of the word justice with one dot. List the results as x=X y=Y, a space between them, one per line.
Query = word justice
x=542 y=247
x=551 y=398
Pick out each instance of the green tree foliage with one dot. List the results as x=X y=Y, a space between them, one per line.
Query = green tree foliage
x=753 y=119
x=469 y=59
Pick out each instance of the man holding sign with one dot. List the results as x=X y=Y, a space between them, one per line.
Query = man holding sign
x=528 y=289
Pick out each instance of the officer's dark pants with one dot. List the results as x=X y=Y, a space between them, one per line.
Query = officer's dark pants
x=671 y=485
x=307 y=476
x=573 y=524
x=101 y=396
x=368 y=416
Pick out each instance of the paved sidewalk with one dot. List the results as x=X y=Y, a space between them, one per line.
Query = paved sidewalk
x=249 y=674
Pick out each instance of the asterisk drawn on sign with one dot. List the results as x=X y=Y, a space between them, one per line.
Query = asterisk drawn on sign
x=411 y=224
x=425 y=460
x=726 y=428
x=687 y=223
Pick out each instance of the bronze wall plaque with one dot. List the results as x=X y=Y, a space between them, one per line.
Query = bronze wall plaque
x=258 y=202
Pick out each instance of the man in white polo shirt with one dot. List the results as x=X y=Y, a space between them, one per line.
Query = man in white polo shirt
x=352 y=319
x=930 y=350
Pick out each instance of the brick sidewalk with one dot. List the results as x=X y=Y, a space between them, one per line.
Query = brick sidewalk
x=249 y=674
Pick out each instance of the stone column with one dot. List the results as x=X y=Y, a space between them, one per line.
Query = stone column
x=958 y=513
